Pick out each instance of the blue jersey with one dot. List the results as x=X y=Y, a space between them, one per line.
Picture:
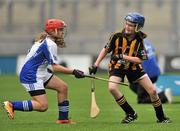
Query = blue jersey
x=39 y=57
x=150 y=66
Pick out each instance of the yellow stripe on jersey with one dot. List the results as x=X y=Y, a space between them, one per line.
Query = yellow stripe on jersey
x=117 y=65
x=117 y=46
x=124 y=45
x=132 y=47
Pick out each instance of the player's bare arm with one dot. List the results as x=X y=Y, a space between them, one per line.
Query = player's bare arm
x=59 y=68
x=62 y=69
x=132 y=59
x=101 y=56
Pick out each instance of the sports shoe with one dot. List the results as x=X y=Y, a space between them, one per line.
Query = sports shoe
x=168 y=94
x=165 y=120
x=9 y=109
x=65 y=122
x=129 y=118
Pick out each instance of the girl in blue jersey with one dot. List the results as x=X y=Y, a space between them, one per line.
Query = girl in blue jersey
x=35 y=77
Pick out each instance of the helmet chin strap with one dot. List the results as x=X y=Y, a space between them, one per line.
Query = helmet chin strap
x=137 y=28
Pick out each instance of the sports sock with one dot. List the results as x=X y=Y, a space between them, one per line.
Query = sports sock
x=158 y=109
x=124 y=105
x=22 y=105
x=63 y=110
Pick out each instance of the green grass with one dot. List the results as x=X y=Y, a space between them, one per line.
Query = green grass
x=80 y=98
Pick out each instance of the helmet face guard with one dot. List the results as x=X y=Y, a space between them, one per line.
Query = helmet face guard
x=137 y=19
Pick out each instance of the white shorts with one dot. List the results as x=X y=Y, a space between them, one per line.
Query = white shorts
x=39 y=85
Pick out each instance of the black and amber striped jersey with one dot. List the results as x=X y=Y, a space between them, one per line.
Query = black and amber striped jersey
x=120 y=43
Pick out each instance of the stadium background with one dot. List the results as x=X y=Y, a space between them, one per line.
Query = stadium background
x=90 y=23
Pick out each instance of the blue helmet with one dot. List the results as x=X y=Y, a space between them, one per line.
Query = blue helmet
x=136 y=18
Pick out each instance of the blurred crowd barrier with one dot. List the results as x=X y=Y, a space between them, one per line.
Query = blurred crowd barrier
x=90 y=23
x=13 y=64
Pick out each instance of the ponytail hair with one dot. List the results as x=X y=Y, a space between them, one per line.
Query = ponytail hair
x=58 y=40
x=41 y=37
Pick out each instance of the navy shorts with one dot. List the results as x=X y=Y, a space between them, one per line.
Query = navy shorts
x=132 y=75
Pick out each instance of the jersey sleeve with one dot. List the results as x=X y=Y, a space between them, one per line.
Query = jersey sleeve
x=142 y=54
x=50 y=52
x=110 y=44
x=53 y=54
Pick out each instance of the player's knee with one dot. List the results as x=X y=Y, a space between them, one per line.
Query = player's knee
x=152 y=92
x=112 y=88
x=64 y=89
x=44 y=107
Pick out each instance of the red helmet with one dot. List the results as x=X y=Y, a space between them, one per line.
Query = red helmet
x=52 y=24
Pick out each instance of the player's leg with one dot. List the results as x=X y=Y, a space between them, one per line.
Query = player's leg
x=38 y=103
x=143 y=96
x=121 y=101
x=160 y=91
x=162 y=97
x=62 y=95
x=133 y=87
x=156 y=102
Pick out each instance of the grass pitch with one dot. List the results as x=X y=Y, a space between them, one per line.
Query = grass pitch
x=80 y=100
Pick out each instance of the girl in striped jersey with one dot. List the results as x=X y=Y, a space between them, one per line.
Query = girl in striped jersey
x=127 y=53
